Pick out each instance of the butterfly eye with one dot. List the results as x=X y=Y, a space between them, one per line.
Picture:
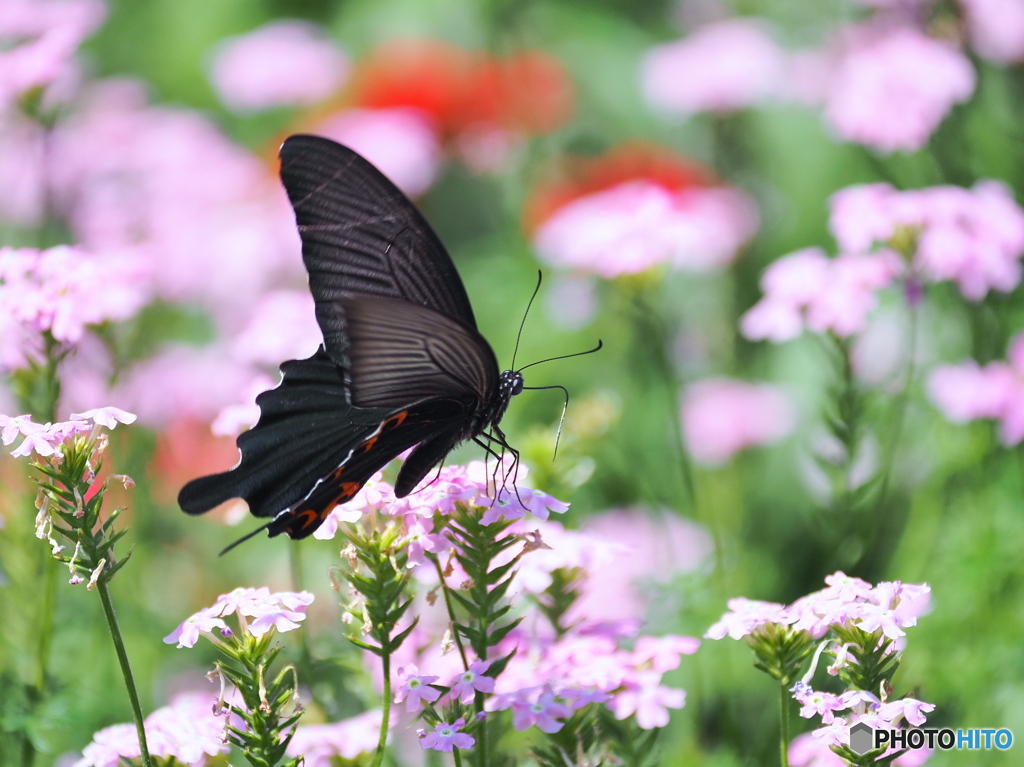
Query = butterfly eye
x=517 y=385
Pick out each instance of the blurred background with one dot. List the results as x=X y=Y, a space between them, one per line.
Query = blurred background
x=653 y=159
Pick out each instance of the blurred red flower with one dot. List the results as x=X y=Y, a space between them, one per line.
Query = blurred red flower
x=528 y=92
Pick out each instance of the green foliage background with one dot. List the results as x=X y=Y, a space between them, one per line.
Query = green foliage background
x=952 y=515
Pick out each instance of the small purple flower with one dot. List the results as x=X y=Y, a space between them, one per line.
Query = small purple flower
x=415 y=689
x=663 y=652
x=579 y=697
x=813 y=702
x=464 y=686
x=447 y=737
x=541 y=713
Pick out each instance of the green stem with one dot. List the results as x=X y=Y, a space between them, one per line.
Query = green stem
x=784 y=725
x=378 y=757
x=126 y=669
x=482 y=749
x=295 y=565
x=451 y=611
x=46 y=611
x=456 y=757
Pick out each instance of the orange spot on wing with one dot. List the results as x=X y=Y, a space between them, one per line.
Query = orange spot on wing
x=395 y=421
x=367 y=446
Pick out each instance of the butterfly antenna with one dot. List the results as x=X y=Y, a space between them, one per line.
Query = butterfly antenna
x=565 y=407
x=246 y=537
x=540 y=277
x=600 y=345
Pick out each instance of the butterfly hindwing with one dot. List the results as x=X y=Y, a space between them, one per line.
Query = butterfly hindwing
x=362 y=236
x=306 y=428
x=395 y=434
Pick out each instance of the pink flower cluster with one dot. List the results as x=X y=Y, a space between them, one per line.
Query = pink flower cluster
x=258 y=612
x=891 y=86
x=846 y=601
x=811 y=749
x=321 y=744
x=283 y=63
x=720 y=67
x=549 y=678
x=472 y=484
x=974 y=237
x=47 y=439
x=38 y=41
x=639 y=224
x=722 y=416
x=968 y=391
x=61 y=291
x=186 y=732
x=809 y=289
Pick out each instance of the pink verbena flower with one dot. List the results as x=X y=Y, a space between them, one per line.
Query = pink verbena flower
x=816 y=703
x=466 y=684
x=967 y=392
x=893 y=86
x=108 y=417
x=808 y=751
x=283 y=63
x=402 y=142
x=541 y=712
x=722 y=416
x=745 y=616
x=201 y=623
x=638 y=224
x=906 y=708
x=663 y=653
x=808 y=289
x=720 y=67
x=320 y=744
x=415 y=688
x=972 y=236
x=446 y=737
x=995 y=29
x=281 y=326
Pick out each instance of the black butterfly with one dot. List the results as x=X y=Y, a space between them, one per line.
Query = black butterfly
x=402 y=364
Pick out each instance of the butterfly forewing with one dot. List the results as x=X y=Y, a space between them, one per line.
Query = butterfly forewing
x=400 y=352
x=362 y=236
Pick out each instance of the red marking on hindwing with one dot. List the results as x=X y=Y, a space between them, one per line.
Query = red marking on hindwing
x=308 y=516
x=367 y=446
x=395 y=421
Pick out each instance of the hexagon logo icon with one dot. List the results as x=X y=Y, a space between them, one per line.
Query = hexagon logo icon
x=861 y=738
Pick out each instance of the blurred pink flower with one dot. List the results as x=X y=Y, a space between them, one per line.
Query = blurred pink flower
x=967 y=392
x=64 y=289
x=281 y=326
x=320 y=744
x=232 y=420
x=186 y=730
x=995 y=28
x=647 y=548
x=182 y=382
x=721 y=67
x=891 y=87
x=745 y=616
x=722 y=416
x=45 y=36
x=283 y=63
x=22 y=174
x=205 y=218
x=973 y=236
x=648 y=699
x=807 y=751
x=638 y=224
x=402 y=143
x=806 y=288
